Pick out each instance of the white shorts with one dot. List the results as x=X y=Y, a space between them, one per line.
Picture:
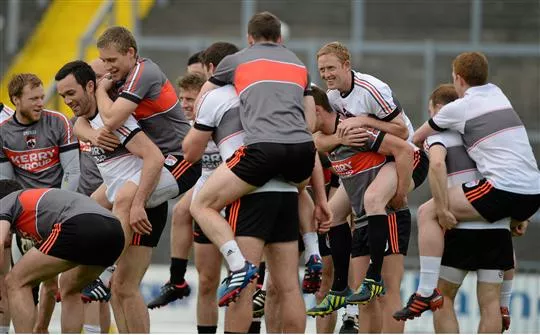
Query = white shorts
x=456 y=276
x=199 y=184
x=167 y=187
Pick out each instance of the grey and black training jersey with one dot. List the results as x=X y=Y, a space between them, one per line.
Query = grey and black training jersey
x=33 y=212
x=90 y=178
x=158 y=111
x=34 y=150
x=271 y=83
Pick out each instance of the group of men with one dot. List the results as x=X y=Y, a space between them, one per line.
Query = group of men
x=243 y=141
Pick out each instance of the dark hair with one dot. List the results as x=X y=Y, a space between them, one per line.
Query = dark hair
x=472 y=67
x=8 y=186
x=19 y=81
x=82 y=72
x=195 y=58
x=321 y=99
x=121 y=37
x=444 y=94
x=264 y=26
x=216 y=52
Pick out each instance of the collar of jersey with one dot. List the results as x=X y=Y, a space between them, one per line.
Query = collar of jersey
x=346 y=94
x=22 y=124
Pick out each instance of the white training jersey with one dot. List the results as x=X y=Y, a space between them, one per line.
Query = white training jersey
x=369 y=96
x=494 y=136
x=120 y=166
x=462 y=169
x=218 y=112
x=5 y=112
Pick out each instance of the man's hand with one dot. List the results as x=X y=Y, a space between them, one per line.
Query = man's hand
x=519 y=228
x=323 y=217
x=139 y=221
x=344 y=126
x=399 y=201
x=105 y=139
x=105 y=83
x=355 y=137
x=446 y=219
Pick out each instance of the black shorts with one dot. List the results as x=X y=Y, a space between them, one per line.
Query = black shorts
x=324 y=244
x=198 y=235
x=494 y=204
x=398 y=238
x=158 y=219
x=270 y=216
x=186 y=174
x=86 y=239
x=420 y=167
x=474 y=249
x=259 y=162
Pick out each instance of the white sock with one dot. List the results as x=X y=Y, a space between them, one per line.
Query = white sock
x=311 y=243
x=4 y=329
x=91 y=329
x=506 y=293
x=232 y=254
x=265 y=281
x=429 y=274
x=351 y=310
x=106 y=275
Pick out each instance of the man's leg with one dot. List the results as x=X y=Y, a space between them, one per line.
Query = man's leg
x=488 y=291
x=238 y=316
x=272 y=312
x=181 y=241
x=181 y=238
x=105 y=317
x=47 y=302
x=392 y=274
x=444 y=319
x=130 y=311
x=208 y=265
x=312 y=256
x=71 y=284
x=340 y=240
x=91 y=318
x=282 y=258
x=327 y=324
x=31 y=269
x=506 y=295
x=222 y=188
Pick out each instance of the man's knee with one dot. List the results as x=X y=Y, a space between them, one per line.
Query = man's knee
x=12 y=282
x=373 y=201
x=208 y=284
x=124 y=285
x=425 y=211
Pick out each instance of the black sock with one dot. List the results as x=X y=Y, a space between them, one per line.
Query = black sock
x=262 y=270
x=340 y=246
x=206 y=329
x=255 y=327
x=178 y=270
x=378 y=237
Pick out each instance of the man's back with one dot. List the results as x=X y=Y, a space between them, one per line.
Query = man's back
x=271 y=83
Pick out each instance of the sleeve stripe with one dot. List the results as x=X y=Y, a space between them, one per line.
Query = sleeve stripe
x=375 y=93
x=68 y=136
x=203 y=127
x=69 y=147
x=130 y=136
x=433 y=125
x=135 y=77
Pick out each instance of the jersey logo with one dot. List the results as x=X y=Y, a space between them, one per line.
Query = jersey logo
x=170 y=160
x=30 y=141
x=473 y=183
x=34 y=161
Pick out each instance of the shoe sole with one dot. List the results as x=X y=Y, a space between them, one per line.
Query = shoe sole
x=432 y=307
x=88 y=300
x=233 y=295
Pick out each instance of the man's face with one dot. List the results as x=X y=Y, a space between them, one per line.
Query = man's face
x=30 y=104
x=433 y=109
x=325 y=121
x=116 y=63
x=459 y=84
x=99 y=68
x=77 y=98
x=187 y=102
x=196 y=68
x=334 y=73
